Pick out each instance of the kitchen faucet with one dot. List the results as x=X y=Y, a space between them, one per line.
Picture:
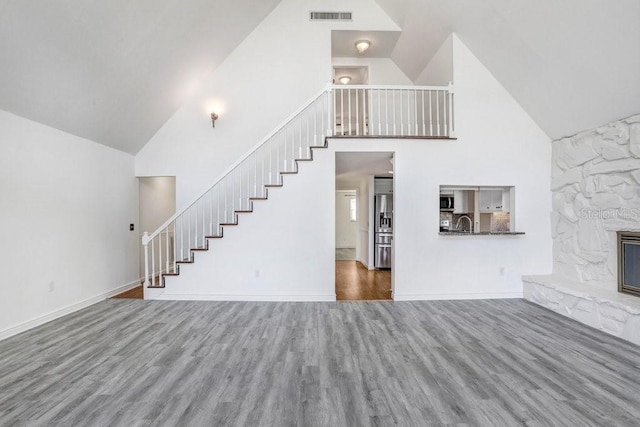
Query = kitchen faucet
x=470 y=223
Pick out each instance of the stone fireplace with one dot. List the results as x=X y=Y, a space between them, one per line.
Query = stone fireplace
x=629 y=263
x=596 y=192
x=595 y=188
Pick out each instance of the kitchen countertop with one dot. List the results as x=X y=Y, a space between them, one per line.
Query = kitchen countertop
x=482 y=233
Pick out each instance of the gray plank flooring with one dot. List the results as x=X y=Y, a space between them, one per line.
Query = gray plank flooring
x=485 y=363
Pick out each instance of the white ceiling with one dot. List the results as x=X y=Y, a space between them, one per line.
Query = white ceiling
x=343 y=43
x=114 y=71
x=353 y=166
x=572 y=64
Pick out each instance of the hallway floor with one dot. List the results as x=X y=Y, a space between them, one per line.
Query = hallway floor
x=135 y=293
x=355 y=283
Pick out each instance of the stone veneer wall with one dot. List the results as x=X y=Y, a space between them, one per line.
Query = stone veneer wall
x=596 y=192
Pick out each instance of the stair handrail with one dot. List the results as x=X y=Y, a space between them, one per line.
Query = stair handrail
x=146 y=237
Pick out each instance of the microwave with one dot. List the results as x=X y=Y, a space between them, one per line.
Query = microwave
x=446 y=203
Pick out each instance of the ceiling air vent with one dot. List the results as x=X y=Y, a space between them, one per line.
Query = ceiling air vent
x=331 y=16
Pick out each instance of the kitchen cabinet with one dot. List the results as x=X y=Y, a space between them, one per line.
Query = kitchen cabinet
x=493 y=200
x=383 y=185
x=463 y=201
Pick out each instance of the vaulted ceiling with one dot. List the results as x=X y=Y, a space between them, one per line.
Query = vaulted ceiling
x=114 y=71
x=571 y=64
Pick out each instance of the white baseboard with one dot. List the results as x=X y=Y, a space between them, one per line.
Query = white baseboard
x=481 y=295
x=25 y=326
x=265 y=298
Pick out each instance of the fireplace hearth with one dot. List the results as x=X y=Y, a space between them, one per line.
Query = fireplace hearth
x=629 y=262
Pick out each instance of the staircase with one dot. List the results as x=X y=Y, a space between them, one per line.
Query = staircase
x=337 y=111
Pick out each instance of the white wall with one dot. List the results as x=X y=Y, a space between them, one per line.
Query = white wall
x=382 y=71
x=364 y=218
x=364 y=214
x=279 y=66
x=289 y=239
x=498 y=144
x=157 y=203
x=284 y=250
x=66 y=208
x=439 y=71
x=346 y=230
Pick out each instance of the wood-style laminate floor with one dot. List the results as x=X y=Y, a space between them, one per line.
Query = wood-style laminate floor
x=179 y=363
x=354 y=282
x=135 y=293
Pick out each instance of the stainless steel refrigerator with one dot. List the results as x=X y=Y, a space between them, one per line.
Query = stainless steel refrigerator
x=383 y=220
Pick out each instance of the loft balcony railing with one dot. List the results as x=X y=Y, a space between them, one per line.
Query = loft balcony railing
x=337 y=111
x=393 y=111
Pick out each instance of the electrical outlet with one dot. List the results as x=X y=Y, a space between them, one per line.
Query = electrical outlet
x=52 y=286
x=131 y=227
x=502 y=271
x=257 y=273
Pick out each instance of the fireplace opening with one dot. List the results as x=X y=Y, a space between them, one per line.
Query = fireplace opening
x=629 y=262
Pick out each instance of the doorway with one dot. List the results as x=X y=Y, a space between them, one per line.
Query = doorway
x=357 y=276
x=346 y=224
x=156 y=204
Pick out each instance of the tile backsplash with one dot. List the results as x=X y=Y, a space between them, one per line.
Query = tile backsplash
x=464 y=224
x=500 y=222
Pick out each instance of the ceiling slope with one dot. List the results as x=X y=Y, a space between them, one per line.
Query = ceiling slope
x=114 y=71
x=573 y=65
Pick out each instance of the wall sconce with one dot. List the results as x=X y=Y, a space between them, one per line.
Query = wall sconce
x=362 y=46
x=214 y=117
x=344 y=80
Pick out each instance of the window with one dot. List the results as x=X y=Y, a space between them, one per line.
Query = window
x=353 y=213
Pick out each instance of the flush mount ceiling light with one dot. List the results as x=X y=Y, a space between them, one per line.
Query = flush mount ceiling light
x=345 y=80
x=362 y=46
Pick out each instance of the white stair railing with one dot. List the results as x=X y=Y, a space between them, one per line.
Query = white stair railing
x=233 y=192
x=337 y=111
